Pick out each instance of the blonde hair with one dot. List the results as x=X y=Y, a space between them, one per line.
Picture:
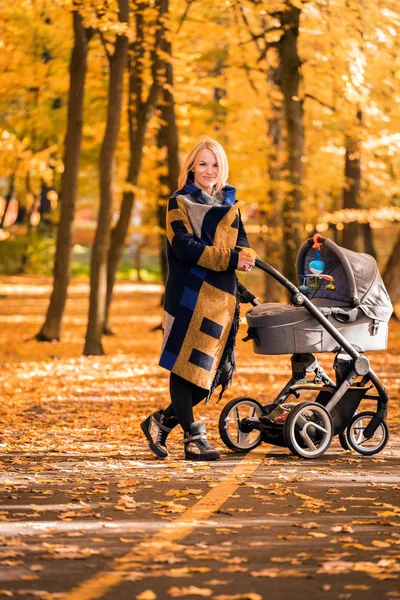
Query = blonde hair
x=222 y=161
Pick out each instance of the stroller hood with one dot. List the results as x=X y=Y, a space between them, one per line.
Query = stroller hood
x=356 y=277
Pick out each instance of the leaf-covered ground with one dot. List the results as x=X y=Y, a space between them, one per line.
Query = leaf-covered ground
x=88 y=513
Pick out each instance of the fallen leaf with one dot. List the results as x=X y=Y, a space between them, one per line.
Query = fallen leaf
x=245 y=596
x=344 y=528
x=335 y=567
x=383 y=576
x=357 y=546
x=310 y=525
x=192 y=590
x=379 y=544
x=273 y=573
x=357 y=587
x=147 y=595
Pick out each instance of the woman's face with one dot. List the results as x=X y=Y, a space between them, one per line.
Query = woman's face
x=205 y=170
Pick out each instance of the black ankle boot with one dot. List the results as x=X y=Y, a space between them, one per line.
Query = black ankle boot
x=197 y=446
x=157 y=433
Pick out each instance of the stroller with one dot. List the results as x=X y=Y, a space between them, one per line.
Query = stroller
x=341 y=306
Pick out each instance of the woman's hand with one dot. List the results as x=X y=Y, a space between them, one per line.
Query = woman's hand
x=245 y=262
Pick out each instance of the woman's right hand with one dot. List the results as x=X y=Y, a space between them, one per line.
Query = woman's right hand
x=245 y=262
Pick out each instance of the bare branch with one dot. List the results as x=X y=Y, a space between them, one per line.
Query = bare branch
x=185 y=13
x=245 y=66
x=253 y=36
x=332 y=108
x=104 y=42
x=256 y=37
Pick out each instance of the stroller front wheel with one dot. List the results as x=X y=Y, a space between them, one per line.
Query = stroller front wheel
x=233 y=434
x=355 y=434
x=308 y=430
x=343 y=439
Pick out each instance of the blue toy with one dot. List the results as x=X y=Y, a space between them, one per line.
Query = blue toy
x=317 y=267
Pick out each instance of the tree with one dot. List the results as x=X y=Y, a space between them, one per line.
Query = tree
x=51 y=329
x=32 y=107
x=9 y=195
x=391 y=274
x=98 y=264
x=293 y=109
x=352 y=185
x=167 y=138
x=139 y=114
x=273 y=209
x=283 y=21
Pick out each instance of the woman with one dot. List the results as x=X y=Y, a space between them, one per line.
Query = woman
x=201 y=313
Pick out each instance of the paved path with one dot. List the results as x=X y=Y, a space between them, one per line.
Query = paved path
x=87 y=513
x=92 y=526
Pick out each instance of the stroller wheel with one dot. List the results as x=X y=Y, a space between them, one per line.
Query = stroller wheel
x=308 y=430
x=343 y=440
x=355 y=434
x=237 y=437
x=342 y=437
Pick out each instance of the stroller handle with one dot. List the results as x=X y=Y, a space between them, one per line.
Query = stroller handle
x=277 y=275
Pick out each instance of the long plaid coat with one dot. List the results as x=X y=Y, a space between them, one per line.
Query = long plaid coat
x=201 y=313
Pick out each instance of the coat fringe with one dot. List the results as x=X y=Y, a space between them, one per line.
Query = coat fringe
x=227 y=366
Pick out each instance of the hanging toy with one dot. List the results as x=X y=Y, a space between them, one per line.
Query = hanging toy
x=316 y=267
x=303 y=287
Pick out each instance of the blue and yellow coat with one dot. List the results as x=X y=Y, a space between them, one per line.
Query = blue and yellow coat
x=200 y=304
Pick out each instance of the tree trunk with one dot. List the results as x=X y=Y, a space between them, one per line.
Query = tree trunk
x=369 y=246
x=98 y=264
x=352 y=186
x=9 y=195
x=293 y=111
x=272 y=215
x=391 y=274
x=51 y=329
x=139 y=113
x=167 y=138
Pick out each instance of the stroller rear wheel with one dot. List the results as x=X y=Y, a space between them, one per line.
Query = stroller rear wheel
x=355 y=434
x=308 y=430
x=232 y=429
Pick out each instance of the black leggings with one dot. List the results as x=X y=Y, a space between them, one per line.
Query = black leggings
x=184 y=396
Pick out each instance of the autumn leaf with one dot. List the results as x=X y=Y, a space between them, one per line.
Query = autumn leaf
x=310 y=525
x=146 y=595
x=380 y=544
x=335 y=567
x=344 y=528
x=192 y=590
x=273 y=573
x=245 y=596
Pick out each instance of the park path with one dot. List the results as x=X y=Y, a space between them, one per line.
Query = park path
x=86 y=512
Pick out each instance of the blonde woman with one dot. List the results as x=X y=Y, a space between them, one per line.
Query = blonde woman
x=201 y=313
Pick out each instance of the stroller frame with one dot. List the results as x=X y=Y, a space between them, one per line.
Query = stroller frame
x=333 y=412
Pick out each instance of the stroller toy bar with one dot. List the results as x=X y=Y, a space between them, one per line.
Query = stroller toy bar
x=317 y=267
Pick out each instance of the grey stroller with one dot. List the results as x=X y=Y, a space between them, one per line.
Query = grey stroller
x=349 y=319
